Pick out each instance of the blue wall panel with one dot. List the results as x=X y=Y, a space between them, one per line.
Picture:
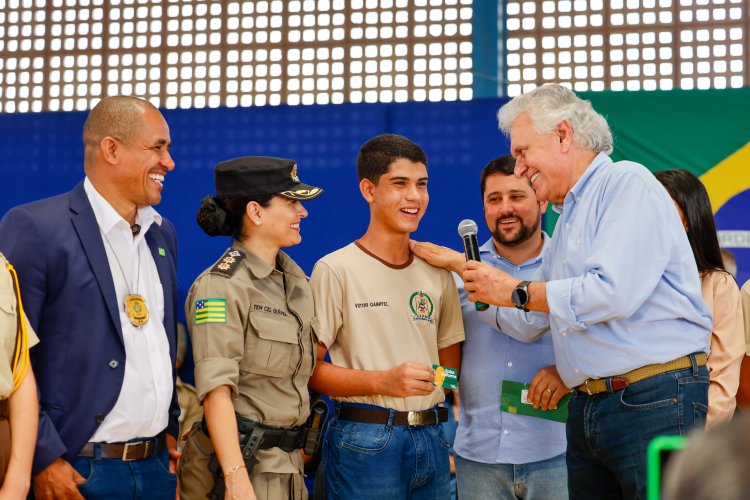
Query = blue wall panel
x=41 y=155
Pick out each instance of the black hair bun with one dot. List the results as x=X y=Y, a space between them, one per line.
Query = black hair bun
x=212 y=218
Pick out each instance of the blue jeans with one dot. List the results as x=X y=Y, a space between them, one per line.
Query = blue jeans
x=609 y=433
x=449 y=429
x=543 y=480
x=383 y=461
x=111 y=478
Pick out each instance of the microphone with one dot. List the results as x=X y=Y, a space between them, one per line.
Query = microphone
x=467 y=230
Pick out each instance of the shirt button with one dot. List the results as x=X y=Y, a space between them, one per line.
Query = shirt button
x=565 y=261
x=564 y=333
x=518 y=268
x=113 y=363
x=567 y=225
x=510 y=364
x=505 y=433
x=577 y=370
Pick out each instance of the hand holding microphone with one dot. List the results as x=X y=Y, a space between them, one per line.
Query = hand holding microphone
x=468 y=229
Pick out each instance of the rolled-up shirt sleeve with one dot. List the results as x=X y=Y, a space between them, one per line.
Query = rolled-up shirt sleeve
x=218 y=344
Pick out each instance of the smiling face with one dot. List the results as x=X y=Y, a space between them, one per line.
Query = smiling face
x=399 y=199
x=144 y=161
x=511 y=210
x=280 y=222
x=540 y=158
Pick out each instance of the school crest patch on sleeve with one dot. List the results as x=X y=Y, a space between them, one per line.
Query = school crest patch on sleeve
x=210 y=310
x=228 y=263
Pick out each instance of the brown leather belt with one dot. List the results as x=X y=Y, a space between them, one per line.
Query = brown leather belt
x=599 y=385
x=133 y=450
x=372 y=416
x=3 y=409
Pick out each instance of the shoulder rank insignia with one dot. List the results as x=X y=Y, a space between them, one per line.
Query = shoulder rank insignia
x=228 y=263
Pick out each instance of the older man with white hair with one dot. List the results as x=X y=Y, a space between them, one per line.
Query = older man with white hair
x=621 y=289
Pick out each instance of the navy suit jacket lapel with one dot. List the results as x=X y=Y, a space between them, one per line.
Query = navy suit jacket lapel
x=84 y=222
x=163 y=259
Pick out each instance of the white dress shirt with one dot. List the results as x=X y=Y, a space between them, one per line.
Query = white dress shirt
x=142 y=408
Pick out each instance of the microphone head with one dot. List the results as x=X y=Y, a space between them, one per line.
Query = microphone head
x=467 y=227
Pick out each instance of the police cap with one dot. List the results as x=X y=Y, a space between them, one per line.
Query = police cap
x=260 y=175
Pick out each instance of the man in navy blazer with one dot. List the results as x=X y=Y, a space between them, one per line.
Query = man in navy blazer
x=97 y=268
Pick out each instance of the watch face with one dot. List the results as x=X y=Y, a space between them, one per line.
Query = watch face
x=520 y=297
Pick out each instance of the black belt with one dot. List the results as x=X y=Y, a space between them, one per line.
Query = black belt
x=273 y=437
x=372 y=416
x=3 y=409
x=286 y=439
x=133 y=450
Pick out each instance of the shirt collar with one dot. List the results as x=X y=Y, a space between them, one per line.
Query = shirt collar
x=108 y=218
x=260 y=268
x=489 y=247
x=599 y=162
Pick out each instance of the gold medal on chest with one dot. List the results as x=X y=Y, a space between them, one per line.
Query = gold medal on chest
x=135 y=307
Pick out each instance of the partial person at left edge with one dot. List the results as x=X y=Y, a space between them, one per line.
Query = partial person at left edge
x=18 y=404
x=97 y=269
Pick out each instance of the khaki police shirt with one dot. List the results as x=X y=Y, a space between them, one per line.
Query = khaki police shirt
x=250 y=328
x=9 y=328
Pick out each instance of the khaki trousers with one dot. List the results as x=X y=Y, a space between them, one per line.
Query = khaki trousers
x=196 y=480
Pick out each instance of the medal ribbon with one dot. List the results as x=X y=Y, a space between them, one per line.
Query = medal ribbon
x=132 y=301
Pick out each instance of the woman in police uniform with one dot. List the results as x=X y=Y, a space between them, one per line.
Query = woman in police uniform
x=249 y=319
x=19 y=410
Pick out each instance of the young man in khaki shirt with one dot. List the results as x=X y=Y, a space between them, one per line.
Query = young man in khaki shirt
x=386 y=317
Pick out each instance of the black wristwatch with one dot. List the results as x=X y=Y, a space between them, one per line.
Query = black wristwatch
x=520 y=295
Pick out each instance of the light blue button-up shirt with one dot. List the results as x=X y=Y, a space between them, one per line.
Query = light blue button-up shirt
x=486 y=434
x=622 y=284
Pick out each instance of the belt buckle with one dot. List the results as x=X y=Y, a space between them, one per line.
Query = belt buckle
x=128 y=446
x=586 y=385
x=414 y=418
x=126 y=450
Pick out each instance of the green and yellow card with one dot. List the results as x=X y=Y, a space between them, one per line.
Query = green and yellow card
x=445 y=377
x=514 y=400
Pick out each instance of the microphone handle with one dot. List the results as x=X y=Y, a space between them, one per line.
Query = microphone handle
x=471 y=250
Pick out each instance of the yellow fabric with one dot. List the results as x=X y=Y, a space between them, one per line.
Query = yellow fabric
x=20 y=366
x=595 y=386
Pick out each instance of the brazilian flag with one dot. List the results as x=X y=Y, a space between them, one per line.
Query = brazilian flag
x=704 y=131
